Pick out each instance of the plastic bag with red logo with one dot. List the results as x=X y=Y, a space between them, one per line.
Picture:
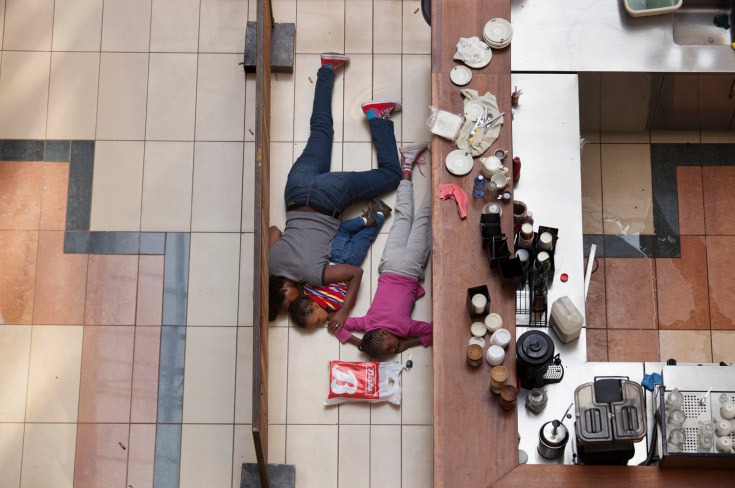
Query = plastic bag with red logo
x=364 y=382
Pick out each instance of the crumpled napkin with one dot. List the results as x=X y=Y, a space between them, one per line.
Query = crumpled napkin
x=470 y=50
x=453 y=192
x=479 y=144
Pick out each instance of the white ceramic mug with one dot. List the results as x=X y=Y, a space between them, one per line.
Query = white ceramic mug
x=500 y=180
x=727 y=410
x=479 y=302
x=500 y=337
x=493 y=322
x=723 y=427
x=495 y=355
x=478 y=329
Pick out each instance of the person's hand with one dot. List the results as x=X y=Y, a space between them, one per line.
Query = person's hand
x=336 y=320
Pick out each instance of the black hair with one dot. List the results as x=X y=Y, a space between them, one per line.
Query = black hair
x=371 y=343
x=276 y=297
x=300 y=310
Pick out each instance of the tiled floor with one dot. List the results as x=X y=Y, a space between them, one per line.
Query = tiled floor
x=126 y=244
x=662 y=287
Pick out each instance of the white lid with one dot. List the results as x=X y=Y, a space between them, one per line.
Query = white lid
x=479 y=300
x=478 y=329
x=545 y=237
x=495 y=355
x=497 y=32
x=481 y=342
x=493 y=322
x=500 y=337
x=542 y=256
x=527 y=228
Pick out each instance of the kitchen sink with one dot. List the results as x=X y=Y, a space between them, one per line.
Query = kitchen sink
x=705 y=22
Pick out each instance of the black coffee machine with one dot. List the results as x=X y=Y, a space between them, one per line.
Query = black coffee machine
x=610 y=419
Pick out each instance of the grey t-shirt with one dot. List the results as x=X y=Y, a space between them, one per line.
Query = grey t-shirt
x=303 y=251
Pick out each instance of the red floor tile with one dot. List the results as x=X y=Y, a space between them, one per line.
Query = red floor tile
x=18 y=251
x=61 y=281
x=595 y=305
x=53 y=201
x=150 y=290
x=107 y=370
x=719 y=199
x=145 y=374
x=630 y=285
x=691 y=201
x=683 y=300
x=720 y=262
x=101 y=456
x=20 y=195
x=632 y=345
x=141 y=455
x=596 y=345
x=111 y=290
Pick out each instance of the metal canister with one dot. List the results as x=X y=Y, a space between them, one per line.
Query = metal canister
x=552 y=439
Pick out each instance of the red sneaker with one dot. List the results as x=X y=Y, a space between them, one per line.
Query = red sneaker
x=335 y=59
x=382 y=107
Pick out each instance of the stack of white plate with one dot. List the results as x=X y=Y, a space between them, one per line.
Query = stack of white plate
x=497 y=33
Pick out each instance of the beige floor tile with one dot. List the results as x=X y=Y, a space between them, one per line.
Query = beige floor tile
x=250 y=107
x=220 y=109
x=244 y=376
x=277 y=374
x=358 y=14
x=686 y=346
x=15 y=349
x=221 y=26
x=248 y=189
x=123 y=86
x=73 y=83
x=591 y=190
x=24 y=81
x=282 y=157
x=385 y=413
x=387 y=83
x=167 y=186
x=175 y=26
x=206 y=456
x=354 y=450
x=325 y=17
x=319 y=466
x=627 y=204
x=417 y=456
x=213 y=279
x=675 y=137
x=217 y=190
x=209 y=381
x=53 y=374
x=28 y=25
x=418 y=388
x=126 y=25
x=385 y=451
x=117 y=186
x=607 y=137
x=359 y=412
x=309 y=353
x=387 y=23
x=723 y=346
x=48 y=455
x=305 y=77
x=11 y=450
x=282 y=102
x=358 y=88
x=416 y=98
x=171 y=97
x=722 y=136
x=247 y=262
x=416 y=32
x=284 y=10
x=77 y=25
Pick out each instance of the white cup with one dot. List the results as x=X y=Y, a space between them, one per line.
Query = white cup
x=500 y=180
x=495 y=355
x=500 y=337
x=723 y=427
x=727 y=410
x=490 y=166
x=478 y=329
x=481 y=342
x=724 y=444
x=545 y=241
x=493 y=322
x=479 y=302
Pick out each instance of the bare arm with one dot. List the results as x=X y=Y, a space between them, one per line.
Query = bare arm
x=352 y=275
x=274 y=233
x=409 y=342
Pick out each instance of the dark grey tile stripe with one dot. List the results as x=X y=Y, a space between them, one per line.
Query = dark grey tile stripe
x=76 y=242
x=168 y=456
x=57 y=151
x=114 y=242
x=21 y=150
x=171 y=375
x=152 y=242
x=175 y=278
x=79 y=196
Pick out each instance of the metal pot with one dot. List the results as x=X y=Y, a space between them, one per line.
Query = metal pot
x=552 y=439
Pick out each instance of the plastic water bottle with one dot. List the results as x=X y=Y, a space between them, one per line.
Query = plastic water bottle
x=478 y=188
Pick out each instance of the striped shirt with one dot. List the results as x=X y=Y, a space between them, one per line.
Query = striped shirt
x=329 y=297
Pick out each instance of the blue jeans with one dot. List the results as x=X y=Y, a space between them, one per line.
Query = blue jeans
x=353 y=239
x=311 y=183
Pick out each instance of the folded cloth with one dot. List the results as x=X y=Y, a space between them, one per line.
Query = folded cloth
x=470 y=50
x=486 y=137
x=453 y=192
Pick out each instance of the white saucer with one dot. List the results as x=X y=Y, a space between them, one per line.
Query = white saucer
x=460 y=75
x=459 y=162
x=487 y=55
x=497 y=33
x=473 y=109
